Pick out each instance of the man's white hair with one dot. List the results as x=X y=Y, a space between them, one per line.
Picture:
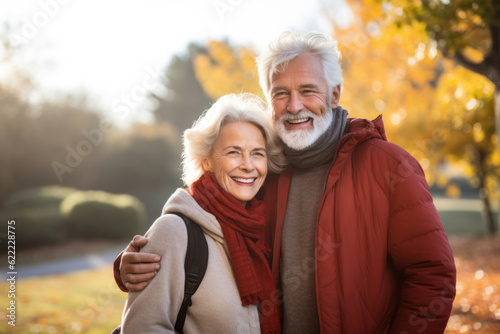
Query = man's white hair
x=200 y=139
x=289 y=46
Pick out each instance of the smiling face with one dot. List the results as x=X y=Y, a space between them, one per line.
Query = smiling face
x=301 y=101
x=239 y=160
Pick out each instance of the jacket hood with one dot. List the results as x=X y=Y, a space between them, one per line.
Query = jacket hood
x=182 y=202
x=359 y=130
x=364 y=129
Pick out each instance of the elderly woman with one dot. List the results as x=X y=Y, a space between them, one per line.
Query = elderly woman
x=227 y=154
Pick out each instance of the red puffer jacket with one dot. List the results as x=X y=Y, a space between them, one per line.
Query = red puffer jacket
x=383 y=262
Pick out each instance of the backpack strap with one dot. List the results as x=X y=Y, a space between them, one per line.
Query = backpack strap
x=195 y=267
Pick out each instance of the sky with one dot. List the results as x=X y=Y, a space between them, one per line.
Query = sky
x=110 y=48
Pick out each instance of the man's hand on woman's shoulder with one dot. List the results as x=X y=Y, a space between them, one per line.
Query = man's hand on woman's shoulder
x=136 y=269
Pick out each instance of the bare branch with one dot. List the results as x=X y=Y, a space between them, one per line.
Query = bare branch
x=481 y=67
x=489 y=66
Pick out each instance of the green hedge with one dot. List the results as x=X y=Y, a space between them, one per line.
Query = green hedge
x=36 y=227
x=55 y=214
x=39 y=220
x=33 y=198
x=97 y=214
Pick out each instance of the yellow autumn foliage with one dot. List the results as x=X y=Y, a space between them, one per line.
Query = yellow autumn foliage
x=226 y=70
x=437 y=111
x=389 y=70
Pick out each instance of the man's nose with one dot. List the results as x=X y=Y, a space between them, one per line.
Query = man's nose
x=295 y=103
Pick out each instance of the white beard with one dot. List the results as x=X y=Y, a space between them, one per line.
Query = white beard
x=301 y=139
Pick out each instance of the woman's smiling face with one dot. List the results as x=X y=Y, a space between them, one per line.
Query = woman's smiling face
x=239 y=160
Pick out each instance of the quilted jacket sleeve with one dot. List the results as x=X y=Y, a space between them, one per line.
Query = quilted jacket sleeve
x=420 y=251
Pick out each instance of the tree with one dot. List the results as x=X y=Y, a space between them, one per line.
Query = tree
x=469 y=133
x=35 y=133
x=390 y=71
x=466 y=31
x=144 y=161
x=225 y=69
x=397 y=70
x=66 y=141
x=185 y=99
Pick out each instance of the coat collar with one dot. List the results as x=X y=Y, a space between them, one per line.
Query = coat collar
x=358 y=130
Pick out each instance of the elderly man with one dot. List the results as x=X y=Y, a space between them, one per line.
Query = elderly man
x=358 y=244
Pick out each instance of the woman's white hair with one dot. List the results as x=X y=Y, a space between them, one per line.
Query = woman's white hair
x=200 y=139
x=289 y=46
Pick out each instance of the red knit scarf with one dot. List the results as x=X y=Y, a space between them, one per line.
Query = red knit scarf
x=244 y=230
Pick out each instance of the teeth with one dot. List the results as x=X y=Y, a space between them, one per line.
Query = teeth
x=238 y=179
x=298 y=120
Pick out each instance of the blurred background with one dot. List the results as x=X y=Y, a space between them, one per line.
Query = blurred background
x=94 y=97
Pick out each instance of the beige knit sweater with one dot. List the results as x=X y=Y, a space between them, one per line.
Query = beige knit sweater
x=216 y=304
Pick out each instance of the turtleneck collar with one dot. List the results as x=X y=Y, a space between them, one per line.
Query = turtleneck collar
x=323 y=149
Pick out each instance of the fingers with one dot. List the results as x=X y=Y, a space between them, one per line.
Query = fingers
x=135 y=277
x=137 y=282
x=137 y=243
x=139 y=268
x=129 y=258
x=136 y=287
x=136 y=269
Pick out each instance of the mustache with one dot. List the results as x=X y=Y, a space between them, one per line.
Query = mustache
x=300 y=114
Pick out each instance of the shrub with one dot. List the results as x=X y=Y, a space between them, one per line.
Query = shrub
x=97 y=214
x=37 y=215
x=36 y=227
x=38 y=197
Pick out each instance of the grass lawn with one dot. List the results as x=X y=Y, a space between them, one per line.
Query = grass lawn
x=82 y=302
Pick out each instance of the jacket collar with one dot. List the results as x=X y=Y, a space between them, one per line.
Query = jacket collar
x=358 y=130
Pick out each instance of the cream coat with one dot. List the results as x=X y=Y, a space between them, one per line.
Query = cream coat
x=216 y=304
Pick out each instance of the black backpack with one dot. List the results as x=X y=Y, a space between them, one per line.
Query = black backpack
x=195 y=267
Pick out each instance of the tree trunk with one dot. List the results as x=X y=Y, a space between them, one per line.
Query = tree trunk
x=487 y=212
x=496 y=102
x=478 y=161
